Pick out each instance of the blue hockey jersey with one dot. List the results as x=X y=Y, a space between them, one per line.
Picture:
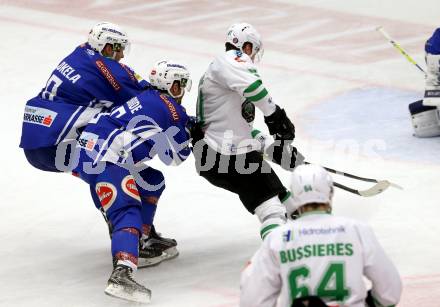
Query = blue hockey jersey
x=81 y=85
x=432 y=46
x=147 y=125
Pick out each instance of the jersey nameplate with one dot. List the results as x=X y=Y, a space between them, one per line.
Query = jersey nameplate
x=67 y=71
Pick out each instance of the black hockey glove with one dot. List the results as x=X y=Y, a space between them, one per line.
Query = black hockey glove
x=280 y=125
x=195 y=130
x=284 y=154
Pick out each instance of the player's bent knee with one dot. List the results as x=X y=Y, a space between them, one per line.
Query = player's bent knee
x=269 y=208
x=126 y=218
x=271 y=213
x=150 y=182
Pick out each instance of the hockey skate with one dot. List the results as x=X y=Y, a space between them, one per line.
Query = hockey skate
x=122 y=285
x=154 y=249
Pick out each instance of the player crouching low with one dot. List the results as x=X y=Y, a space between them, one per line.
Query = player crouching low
x=319 y=259
x=425 y=114
x=113 y=150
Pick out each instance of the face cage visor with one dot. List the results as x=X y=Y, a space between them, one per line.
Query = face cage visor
x=125 y=47
x=185 y=85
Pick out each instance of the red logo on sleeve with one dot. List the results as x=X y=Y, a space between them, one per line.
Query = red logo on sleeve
x=170 y=107
x=129 y=72
x=108 y=75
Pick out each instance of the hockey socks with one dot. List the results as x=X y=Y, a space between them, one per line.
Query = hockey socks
x=271 y=214
x=125 y=246
x=148 y=210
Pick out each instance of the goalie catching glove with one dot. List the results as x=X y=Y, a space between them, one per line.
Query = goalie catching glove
x=280 y=125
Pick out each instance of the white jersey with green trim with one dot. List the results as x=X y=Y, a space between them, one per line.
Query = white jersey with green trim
x=230 y=80
x=324 y=255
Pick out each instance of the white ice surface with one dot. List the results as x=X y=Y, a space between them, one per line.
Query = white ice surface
x=350 y=114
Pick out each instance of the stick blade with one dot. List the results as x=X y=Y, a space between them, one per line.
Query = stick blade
x=396 y=186
x=376 y=189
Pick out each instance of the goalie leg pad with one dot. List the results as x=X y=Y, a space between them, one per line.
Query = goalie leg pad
x=425 y=120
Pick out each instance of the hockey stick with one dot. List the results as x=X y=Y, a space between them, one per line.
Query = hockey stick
x=399 y=48
x=380 y=183
x=378 y=188
x=374 y=190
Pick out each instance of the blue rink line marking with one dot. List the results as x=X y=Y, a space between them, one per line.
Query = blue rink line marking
x=372 y=113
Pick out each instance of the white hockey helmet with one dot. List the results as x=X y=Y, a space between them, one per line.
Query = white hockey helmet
x=108 y=33
x=164 y=73
x=240 y=33
x=310 y=184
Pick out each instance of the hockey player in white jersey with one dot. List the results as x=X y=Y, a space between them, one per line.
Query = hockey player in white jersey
x=319 y=257
x=226 y=156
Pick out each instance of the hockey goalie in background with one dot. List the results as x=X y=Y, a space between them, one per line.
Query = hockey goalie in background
x=425 y=113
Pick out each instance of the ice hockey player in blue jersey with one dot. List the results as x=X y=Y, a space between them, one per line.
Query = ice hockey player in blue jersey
x=425 y=114
x=82 y=85
x=112 y=152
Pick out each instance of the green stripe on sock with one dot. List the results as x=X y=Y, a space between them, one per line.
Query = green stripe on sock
x=266 y=230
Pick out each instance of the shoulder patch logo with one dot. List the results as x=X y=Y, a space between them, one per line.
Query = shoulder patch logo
x=129 y=187
x=108 y=75
x=106 y=193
